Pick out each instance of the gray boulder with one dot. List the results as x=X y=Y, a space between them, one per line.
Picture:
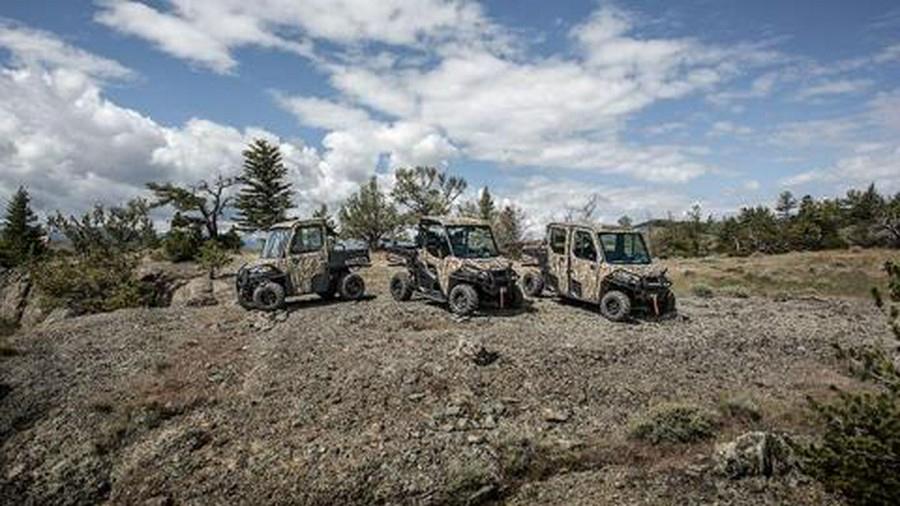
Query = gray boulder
x=754 y=454
x=197 y=292
x=14 y=288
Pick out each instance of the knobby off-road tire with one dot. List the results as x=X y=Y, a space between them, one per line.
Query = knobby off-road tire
x=615 y=306
x=401 y=286
x=328 y=295
x=352 y=287
x=463 y=299
x=533 y=283
x=268 y=296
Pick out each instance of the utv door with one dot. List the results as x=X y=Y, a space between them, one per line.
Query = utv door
x=309 y=257
x=558 y=259
x=584 y=279
x=435 y=248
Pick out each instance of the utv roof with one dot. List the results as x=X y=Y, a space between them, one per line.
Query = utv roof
x=299 y=222
x=455 y=220
x=596 y=227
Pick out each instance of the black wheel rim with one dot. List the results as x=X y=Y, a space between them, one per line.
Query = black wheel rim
x=612 y=306
x=268 y=298
x=353 y=287
x=396 y=287
x=458 y=301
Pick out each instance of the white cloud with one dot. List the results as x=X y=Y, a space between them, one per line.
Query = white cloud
x=728 y=128
x=836 y=87
x=208 y=31
x=870 y=163
x=32 y=47
x=67 y=143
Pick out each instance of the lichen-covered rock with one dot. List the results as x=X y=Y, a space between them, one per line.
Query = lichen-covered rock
x=14 y=288
x=197 y=292
x=754 y=454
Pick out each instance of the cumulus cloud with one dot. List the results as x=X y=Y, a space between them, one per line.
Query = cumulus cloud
x=71 y=146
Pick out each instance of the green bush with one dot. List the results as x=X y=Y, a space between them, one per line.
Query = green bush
x=213 y=257
x=182 y=245
x=93 y=283
x=231 y=240
x=859 y=451
x=676 y=423
x=702 y=291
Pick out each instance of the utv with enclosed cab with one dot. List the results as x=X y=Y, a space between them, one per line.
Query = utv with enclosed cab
x=455 y=261
x=301 y=257
x=607 y=266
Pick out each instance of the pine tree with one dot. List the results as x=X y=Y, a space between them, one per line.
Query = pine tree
x=427 y=190
x=265 y=196
x=368 y=214
x=21 y=237
x=487 y=211
x=510 y=230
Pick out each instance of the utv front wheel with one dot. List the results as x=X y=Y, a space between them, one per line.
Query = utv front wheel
x=533 y=282
x=401 y=286
x=463 y=300
x=515 y=297
x=352 y=287
x=667 y=304
x=615 y=306
x=268 y=296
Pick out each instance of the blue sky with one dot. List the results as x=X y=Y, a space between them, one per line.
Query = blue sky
x=652 y=105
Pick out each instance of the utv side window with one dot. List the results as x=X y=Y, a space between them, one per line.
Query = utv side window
x=558 y=241
x=307 y=239
x=584 y=246
x=434 y=240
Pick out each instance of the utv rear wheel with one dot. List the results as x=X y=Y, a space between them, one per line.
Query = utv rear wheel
x=463 y=300
x=615 y=306
x=533 y=282
x=269 y=296
x=401 y=286
x=352 y=287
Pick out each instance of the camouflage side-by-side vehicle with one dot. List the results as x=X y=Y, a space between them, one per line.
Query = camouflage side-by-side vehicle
x=455 y=261
x=301 y=257
x=610 y=267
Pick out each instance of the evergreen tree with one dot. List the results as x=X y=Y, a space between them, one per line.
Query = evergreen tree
x=624 y=221
x=486 y=209
x=510 y=230
x=21 y=238
x=785 y=205
x=265 y=196
x=368 y=215
x=107 y=230
x=322 y=213
x=427 y=191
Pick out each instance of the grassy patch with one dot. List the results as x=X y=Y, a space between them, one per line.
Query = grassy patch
x=741 y=409
x=675 y=423
x=470 y=483
x=702 y=291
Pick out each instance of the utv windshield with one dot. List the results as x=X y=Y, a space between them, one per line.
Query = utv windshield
x=624 y=248
x=472 y=241
x=276 y=243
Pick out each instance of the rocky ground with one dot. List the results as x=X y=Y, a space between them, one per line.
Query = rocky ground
x=384 y=402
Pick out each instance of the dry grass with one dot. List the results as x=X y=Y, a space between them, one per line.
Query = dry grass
x=844 y=273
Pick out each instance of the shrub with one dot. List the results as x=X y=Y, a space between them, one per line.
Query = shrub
x=859 y=452
x=702 y=291
x=213 y=257
x=92 y=283
x=738 y=292
x=740 y=408
x=182 y=245
x=676 y=423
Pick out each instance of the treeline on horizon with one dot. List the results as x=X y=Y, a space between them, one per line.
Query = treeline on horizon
x=861 y=218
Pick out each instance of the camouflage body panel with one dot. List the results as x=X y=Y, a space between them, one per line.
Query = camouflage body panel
x=456 y=220
x=446 y=267
x=584 y=283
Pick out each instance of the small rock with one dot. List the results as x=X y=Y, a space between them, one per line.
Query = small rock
x=554 y=415
x=416 y=396
x=488 y=422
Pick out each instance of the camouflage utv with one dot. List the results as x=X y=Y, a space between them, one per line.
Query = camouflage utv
x=607 y=266
x=301 y=257
x=455 y=261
